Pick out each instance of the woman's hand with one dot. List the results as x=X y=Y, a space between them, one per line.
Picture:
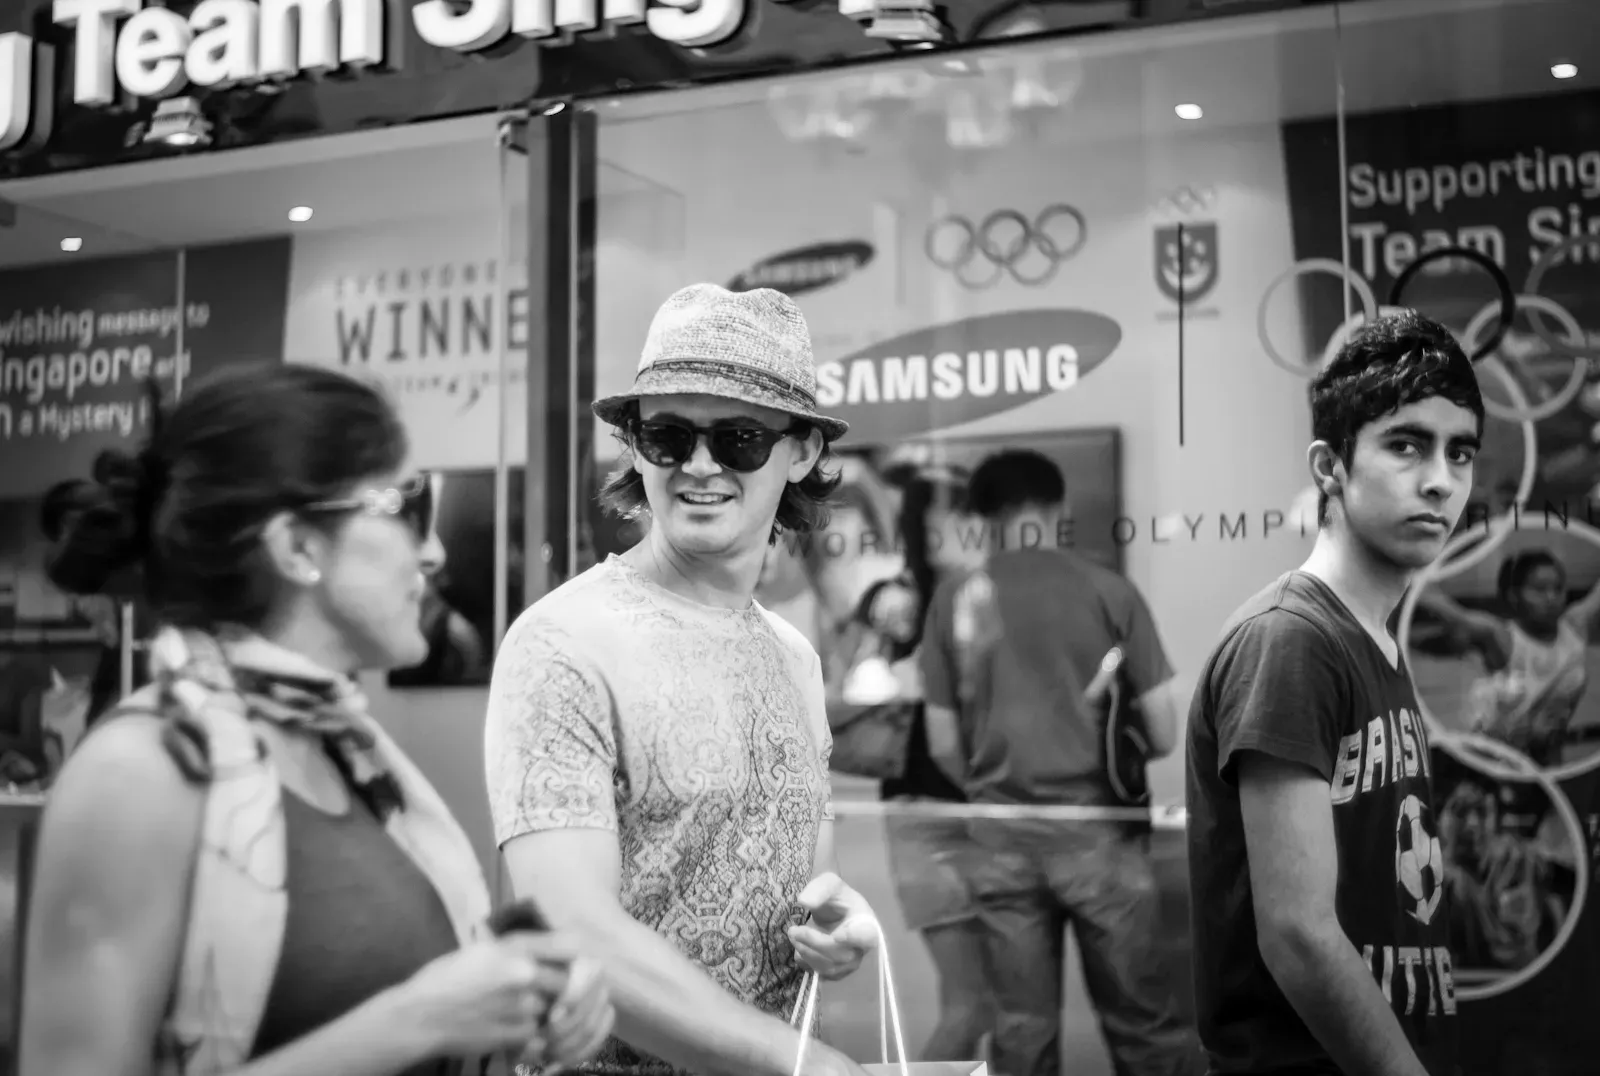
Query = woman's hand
x=579 y=1022
x=487 y=997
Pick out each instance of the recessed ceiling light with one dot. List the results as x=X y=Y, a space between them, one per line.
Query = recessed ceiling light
x=300 y=214
x=72 y=245
x=1564 y=70
x=1189 y=112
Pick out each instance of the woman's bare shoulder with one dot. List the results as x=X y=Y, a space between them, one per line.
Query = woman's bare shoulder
x=110 y=894
x=123 y=792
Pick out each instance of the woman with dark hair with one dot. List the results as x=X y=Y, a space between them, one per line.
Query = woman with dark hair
x=239 y=871
x=1536 y=658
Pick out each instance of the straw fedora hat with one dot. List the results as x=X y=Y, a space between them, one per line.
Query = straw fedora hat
x=750 y=346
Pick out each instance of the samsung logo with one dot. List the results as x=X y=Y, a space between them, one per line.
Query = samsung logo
x=963 y=370
x=804 y=269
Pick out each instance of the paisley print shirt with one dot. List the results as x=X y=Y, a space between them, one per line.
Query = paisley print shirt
x=699 y=736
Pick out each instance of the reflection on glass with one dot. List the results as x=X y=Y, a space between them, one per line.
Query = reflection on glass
x=458 y=606
x=1037 y=247
x=1511 y=870
x=60 y=660
x=1508 y=654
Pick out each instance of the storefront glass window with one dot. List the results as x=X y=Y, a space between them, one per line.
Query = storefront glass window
x=1473 y=129
x=63 y=658
x=396 y=255
x=1123 y=253
x=1115 y=256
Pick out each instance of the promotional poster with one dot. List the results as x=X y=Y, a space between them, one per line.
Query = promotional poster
x=1484 y=225
x=79 y=341
x=428 y=312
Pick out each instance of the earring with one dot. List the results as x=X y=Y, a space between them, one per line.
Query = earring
x=312 y=577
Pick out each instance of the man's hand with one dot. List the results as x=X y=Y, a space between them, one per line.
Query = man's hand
x=579 y=1022
x=842 y=930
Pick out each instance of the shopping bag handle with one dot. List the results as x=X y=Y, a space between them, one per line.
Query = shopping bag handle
x=805 y=1010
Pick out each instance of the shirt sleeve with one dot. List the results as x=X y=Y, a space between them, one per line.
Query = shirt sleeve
x=1277 y=689
x=1145 y=658
x=935 y=657
x=550 y=750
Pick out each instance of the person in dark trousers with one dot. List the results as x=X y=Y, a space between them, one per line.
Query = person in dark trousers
x=1009 y=652
x=930 y=857
x=1317 y=880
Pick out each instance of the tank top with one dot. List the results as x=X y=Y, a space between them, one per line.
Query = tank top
x=1530 y=702
x=362 y=918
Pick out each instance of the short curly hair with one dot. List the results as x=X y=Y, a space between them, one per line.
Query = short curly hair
x=803 y=508
x=1391 y=362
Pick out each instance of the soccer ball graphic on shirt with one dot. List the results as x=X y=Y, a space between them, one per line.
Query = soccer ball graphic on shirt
x=1418 y=860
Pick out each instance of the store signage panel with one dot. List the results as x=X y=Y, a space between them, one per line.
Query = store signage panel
x=26 y=87
x=123 y=48
x=483 y=23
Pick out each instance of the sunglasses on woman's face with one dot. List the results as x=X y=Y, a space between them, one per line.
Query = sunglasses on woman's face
x=411 y=503
x=742 y=448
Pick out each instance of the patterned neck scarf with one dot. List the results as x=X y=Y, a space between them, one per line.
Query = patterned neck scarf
x=214 y=693
x=330 y=710
x=296 y=694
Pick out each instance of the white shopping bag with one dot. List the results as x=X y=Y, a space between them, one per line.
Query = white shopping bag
x=805 y=1012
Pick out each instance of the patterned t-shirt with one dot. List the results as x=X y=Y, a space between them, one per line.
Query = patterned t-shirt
x=699 y=736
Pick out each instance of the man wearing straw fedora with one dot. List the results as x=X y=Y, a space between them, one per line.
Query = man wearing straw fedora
x=657 y=747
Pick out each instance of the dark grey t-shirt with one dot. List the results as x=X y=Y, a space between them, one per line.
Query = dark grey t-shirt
x=1040 y=633
x=1296 y=677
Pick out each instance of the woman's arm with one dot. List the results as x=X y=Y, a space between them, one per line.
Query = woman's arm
x=1584 y=614
x=109 y=904
x=107 y=920
x=1485 y=633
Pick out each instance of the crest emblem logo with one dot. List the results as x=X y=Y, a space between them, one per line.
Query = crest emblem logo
x=1186 y=260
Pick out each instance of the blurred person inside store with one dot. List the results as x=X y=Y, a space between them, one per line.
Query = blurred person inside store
x=62 y=504
x=238 y=870
x=929 y=854
x=1535 y=656
x=1509 y=892
x=860 y=591
x=1008 y=659
x=657 y=743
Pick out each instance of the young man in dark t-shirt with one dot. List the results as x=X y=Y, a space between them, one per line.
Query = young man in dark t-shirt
x=1320 y=920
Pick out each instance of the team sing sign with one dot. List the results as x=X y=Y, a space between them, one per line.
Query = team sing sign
x=123 y=47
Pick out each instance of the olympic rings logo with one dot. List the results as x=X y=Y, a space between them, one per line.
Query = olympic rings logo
x=1185 y=201
x=1502 y=310
x=1491 y=758
x=1003 y=242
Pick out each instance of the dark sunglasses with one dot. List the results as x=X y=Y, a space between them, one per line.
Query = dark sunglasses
x=411 y=503
x=738 y=448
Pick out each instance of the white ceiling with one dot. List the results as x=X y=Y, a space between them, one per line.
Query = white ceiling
x=1246 y=71
x=420 y=170
x=447 y=168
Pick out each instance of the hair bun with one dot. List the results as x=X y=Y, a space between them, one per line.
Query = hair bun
x=111 y=531
x=118 y=472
